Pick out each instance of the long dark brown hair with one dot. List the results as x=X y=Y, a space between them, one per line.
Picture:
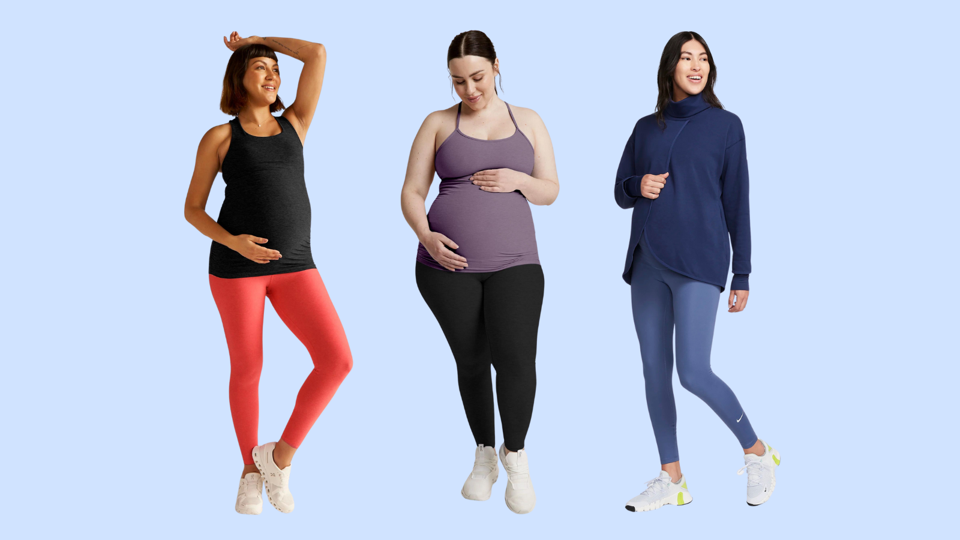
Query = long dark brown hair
x=234 y=95
x=473 y=43
x=668 y=66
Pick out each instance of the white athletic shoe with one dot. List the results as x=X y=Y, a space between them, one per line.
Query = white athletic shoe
x=249 y=497
x=484 y=474
x=277 y=480
x=661 y=491
x=760 y=474
x=519 y=494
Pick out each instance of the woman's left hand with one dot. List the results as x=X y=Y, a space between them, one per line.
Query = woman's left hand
x=741 y=301
x=499 y=180
x=235 y=41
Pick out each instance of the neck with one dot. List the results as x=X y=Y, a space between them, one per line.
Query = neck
x=256 y=115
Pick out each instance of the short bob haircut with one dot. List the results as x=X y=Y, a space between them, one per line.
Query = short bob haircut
x=234 y=96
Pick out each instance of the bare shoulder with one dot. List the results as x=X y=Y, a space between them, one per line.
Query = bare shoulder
x=217 y=140
x=441 y=124
x=528 y=117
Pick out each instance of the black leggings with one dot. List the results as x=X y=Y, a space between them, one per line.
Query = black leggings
x=490 y=317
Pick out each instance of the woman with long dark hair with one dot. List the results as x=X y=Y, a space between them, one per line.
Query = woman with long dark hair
x=684 y=173
x=477 y=263
x=261 y=249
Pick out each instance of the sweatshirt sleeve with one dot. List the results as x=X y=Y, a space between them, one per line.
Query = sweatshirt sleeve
x=734 y=195
x=626 y=190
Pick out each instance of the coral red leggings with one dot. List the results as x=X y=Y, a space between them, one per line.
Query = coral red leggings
x=302 y=302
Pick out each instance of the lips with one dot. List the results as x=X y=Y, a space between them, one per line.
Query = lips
x=473 y=99
x=694 y=78
x=270 y=88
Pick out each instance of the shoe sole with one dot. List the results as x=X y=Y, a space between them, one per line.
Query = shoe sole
x=256 y=461
x=772 y=484
x=687 y=499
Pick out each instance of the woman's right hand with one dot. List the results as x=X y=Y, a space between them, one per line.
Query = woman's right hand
x=248 y=246
x=437 y=246
x=651 y=184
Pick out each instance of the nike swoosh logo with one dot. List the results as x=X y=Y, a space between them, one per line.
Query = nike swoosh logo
x=741 y=418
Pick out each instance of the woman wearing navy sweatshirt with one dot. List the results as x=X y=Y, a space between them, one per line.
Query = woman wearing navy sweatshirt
x=684 y=173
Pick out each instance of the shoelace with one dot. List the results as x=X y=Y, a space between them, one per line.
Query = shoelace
x=753 y=473
x=657 y=484
x=516 y=476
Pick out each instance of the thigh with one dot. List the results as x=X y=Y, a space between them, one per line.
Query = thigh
x=695 y=306
x=456 y=300
x=653 y=315
x=303 y=304
x=512 y=302
x=240 y=302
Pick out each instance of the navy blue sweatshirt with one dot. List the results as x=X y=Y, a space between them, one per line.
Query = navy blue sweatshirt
x=704 y=204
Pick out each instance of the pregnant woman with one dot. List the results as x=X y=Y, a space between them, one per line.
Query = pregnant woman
x=477 y=264
x=684 y=173
x=261 y=249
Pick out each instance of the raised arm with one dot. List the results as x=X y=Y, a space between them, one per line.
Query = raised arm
x=314 y=58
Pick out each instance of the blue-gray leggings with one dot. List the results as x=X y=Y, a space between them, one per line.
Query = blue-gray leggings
x=663 y=299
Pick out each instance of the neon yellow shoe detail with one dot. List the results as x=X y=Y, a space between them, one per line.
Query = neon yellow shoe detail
x=684 y=486
x=680 y=499
x=775 y=458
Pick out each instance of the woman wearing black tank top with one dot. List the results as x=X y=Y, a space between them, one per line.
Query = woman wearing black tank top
x=261 y=249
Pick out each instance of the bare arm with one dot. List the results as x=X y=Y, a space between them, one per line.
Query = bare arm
x=314 y=58
x=541 y=187
x=413 y=196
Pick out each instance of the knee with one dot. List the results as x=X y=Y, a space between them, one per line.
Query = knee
x=693 y=382
x=341 y=364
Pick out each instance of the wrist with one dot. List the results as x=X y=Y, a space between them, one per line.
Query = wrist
x=422 y=235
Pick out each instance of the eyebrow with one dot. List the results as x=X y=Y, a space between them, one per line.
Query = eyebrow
x=688 y=52
x=471 y=75
x=262 y=62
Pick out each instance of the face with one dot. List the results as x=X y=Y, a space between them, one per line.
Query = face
x=473 y=79
x=262 y=81
x=692 y=70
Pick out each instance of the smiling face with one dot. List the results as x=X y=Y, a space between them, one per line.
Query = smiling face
x=473 y=79
x=261 y=81
x=690 y=76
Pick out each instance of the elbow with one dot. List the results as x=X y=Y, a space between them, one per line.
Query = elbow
x=320 y=51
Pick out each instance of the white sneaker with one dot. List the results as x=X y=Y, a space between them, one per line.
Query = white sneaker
x=519 y=494
x=277 y=480
x=760 y=475
x=661 y=491
x=484 y=474
x=249 y=497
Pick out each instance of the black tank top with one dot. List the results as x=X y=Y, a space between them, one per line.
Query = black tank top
x=266 y=196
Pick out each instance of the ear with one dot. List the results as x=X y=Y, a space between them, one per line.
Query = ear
x=496 y=66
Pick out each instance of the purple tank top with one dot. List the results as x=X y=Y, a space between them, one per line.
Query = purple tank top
x=494 y=230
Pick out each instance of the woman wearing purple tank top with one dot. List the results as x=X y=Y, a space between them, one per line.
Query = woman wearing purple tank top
x=477 y=264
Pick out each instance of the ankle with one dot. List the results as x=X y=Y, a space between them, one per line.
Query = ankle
x=283 y=454
x=757 y=449
x=247 y=469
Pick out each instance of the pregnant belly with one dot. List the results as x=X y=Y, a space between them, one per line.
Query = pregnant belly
x=493 y=230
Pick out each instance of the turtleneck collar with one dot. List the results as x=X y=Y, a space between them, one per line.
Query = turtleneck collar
x=687 y=106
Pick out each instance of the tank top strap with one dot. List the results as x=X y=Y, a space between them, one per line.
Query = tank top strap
x=509 y=110
x=235 y=126
x=458 y=114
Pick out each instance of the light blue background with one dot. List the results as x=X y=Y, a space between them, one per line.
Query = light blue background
x=115 y=365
